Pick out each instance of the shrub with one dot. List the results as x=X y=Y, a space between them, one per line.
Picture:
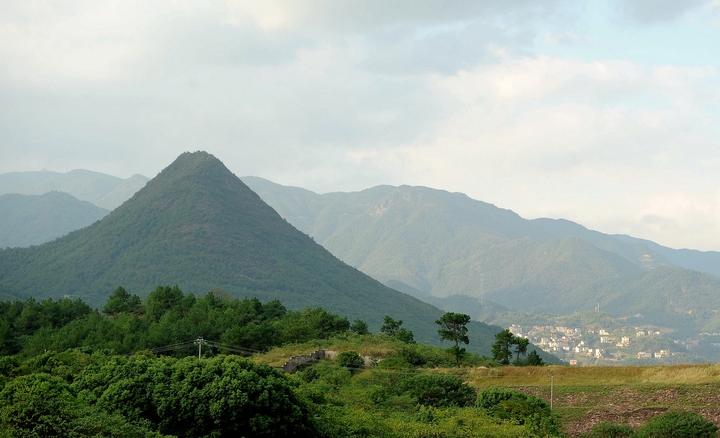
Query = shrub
x=439 y=390
x=609 y=430
x=350 y=360
x=678 y=424
x=521 y=408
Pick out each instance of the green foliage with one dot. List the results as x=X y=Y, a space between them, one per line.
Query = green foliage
x=501 y=348
x=31 y=328
x=439 y=390
x=534 y=359
x=120 y=301
x=350 y=360
x=516 y=406
x=453 y=327
x=395 y=329
x=521 y=345
x=678 y=424
x=161 y=300
x=360 y=327
x=609 y=430
x=41 y=405
x=221 y=396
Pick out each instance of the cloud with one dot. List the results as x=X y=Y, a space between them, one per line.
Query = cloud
x=112 y=42
x=368 y=15
x=562 y=138
x=506 y=101
x=658 y=11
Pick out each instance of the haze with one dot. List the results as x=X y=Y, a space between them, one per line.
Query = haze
x=601 y=112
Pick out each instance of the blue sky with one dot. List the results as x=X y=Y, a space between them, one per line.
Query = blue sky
x=601 y=112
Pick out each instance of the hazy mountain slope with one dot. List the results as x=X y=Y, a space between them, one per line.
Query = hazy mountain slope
x=31 y=220
x=703 y=261
x=199 y=226
x=435 y=244
x=122 y=192
x=638 y=252
x=446 y=243
x=103 y=190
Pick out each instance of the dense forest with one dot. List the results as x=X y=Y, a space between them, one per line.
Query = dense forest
x=131 y=369
x=168 y=366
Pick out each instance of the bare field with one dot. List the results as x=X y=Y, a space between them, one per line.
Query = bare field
x=584 y=396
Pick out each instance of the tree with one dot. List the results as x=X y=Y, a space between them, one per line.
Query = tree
x=453 y=327
x=521 y=345
x=534 y=359
x=219 y=397
x=120 y=301
x=390 y=326
x=360 y=327
x=163 y=299
x=501 y=348
x=394 y=328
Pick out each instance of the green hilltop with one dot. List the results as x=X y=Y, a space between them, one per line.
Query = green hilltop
x=197 y=225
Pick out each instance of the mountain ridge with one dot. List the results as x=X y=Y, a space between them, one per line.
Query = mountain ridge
x=444 y=244
x=197 y=225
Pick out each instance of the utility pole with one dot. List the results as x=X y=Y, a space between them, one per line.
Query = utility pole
x=552 y=385
x=199 y=342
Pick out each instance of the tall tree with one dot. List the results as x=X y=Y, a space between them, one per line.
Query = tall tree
x=504 y=340
x=394 y=328
x=453 y=327
x=521 y=345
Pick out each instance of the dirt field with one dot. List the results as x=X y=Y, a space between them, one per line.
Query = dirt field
x=582 y=407
x=585 y=396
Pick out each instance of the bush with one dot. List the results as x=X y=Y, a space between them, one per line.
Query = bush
x=350 y=360
x=609 y=430
x=675 y=424
x=520 y=408
x=439 y=390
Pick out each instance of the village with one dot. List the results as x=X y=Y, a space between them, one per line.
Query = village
x=597 y=346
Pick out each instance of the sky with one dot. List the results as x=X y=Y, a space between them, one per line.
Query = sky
x=605 y=113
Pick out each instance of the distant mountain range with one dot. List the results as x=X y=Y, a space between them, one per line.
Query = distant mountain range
x=103 y=190
x=34 y=219
x=434 y=245
x=466 y=255
x=197 y=225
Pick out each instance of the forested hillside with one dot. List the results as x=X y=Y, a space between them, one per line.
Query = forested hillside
x=435 y=245
x=199 y=226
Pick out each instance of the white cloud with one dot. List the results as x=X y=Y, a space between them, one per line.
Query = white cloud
x=580 y=140
x=345 y=95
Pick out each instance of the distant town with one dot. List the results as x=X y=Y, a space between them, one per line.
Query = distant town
x=624 y=345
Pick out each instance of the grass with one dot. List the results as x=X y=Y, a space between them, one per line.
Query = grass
x=581 y=396
x=377 y=347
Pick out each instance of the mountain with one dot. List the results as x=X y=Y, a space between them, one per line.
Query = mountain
x=31 y=220
x=435 y=245
x=102 y=190
x=197 y=225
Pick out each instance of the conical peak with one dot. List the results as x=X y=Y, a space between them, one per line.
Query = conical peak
x=190 y=162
